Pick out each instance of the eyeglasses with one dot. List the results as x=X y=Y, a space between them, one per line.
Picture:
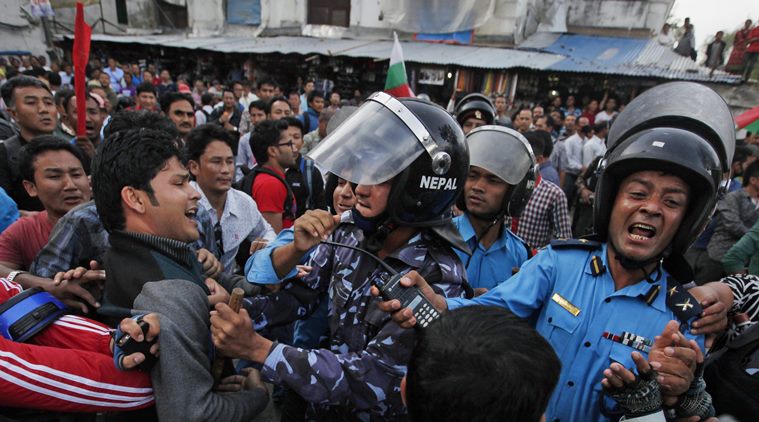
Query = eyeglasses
x=286 y=144
x=219 y=240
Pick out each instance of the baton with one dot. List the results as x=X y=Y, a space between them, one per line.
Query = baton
x=235 y=301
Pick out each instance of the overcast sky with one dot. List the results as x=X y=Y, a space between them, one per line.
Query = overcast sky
x=710 y=16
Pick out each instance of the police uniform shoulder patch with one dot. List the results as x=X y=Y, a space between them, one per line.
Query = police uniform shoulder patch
x=575 y=244
x=597 y=266
x=681 y=302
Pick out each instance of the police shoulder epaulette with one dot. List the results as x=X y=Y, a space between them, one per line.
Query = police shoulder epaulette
x=576 y=244
x=681 y=302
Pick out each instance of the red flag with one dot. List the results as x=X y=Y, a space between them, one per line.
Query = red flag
x=81 y=55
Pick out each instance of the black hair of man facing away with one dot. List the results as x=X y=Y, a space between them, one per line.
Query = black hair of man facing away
x=480 y=363
x=145 y=202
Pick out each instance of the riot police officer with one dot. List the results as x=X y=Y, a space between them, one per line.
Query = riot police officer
x=409 y=159
x=598 y=301
x=502 y=172
x=473 y=111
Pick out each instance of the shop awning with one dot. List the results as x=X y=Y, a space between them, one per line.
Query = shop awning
x=415 y=52
x=621 y=56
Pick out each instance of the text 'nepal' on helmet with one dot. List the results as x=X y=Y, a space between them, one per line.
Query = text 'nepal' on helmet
x=413 y=141
x=475 y=105
x=508 y=155
x=680 y=128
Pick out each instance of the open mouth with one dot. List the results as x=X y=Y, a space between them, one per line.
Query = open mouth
x=640 y=231
x=191 y=213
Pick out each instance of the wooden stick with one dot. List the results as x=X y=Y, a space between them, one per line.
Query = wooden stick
x=235 y=301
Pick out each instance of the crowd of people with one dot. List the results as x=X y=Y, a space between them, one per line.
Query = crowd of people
x=563 y=243
x=742 y=58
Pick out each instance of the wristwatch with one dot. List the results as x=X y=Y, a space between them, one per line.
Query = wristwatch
x=13 y=274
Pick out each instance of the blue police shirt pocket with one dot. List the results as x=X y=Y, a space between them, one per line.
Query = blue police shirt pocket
x=622 y=354
x=563 y=324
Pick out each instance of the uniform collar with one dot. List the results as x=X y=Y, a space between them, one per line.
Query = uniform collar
x=637 y=290
x=412 y=253
x=467 y=233
x=232 y=205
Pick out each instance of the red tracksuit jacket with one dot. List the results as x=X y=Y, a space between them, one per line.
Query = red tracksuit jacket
x=67 y=368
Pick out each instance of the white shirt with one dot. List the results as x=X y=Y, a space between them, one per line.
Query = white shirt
x=666 y=40
x=573 y=146
x=593 y=147
x=604 y=116
x=200 y=118
x=245 y=100
x=240 y=220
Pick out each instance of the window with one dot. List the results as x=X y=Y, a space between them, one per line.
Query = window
x=121 y=12
x=329 y=12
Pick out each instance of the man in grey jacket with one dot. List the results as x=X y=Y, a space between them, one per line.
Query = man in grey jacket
x=144 y=200
x=736 y=214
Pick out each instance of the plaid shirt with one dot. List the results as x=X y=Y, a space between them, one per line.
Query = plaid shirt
x=80 y=237
x=545 y=217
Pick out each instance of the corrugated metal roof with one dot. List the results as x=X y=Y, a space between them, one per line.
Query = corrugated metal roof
x=621 y=56
x=541 y=51
x=417 y=52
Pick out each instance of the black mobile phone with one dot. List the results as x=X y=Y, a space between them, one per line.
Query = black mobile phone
x=410 y=297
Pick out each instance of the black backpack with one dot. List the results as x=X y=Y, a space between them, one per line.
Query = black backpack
x=732 y=376
x=246 y=185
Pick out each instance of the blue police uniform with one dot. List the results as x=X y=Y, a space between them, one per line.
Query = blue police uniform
x=488 y=267
x=571 y=296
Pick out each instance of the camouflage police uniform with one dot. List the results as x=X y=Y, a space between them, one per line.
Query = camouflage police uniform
x=359 y=377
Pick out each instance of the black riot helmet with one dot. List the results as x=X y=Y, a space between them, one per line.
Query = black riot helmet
x=680 y=128
x=508 y=155
x=475 y=105
x=413 y=141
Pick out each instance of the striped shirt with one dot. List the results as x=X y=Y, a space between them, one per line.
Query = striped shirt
x=745 y=289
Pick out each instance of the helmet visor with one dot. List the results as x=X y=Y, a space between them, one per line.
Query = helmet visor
x=501 y=153
x=370 y=147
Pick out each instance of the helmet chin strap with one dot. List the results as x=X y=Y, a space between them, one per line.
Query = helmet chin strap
x=629 y=263
x=376 y=229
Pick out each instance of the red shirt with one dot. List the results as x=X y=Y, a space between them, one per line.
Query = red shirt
x=270 y=194
x=754 y=46
x=22 y=240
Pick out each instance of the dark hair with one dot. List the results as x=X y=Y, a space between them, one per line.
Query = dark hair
x=294 y=122
x=129 y=158
x=146 y=86
x=69 y=94
x=600 y=126
x=54 y=78
x=507 y=368
x=170 y=98
x=9 y=88
x=41 y=144
x=62 y=96
x=315 y=93
x=266 y=134
x=259 y=104
x=266 y=81
x=537 y=142
x=751 y=171
x=199 y=138
x=274 y=100
x=132 y=119
x=741 y=154
x=206 y=99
